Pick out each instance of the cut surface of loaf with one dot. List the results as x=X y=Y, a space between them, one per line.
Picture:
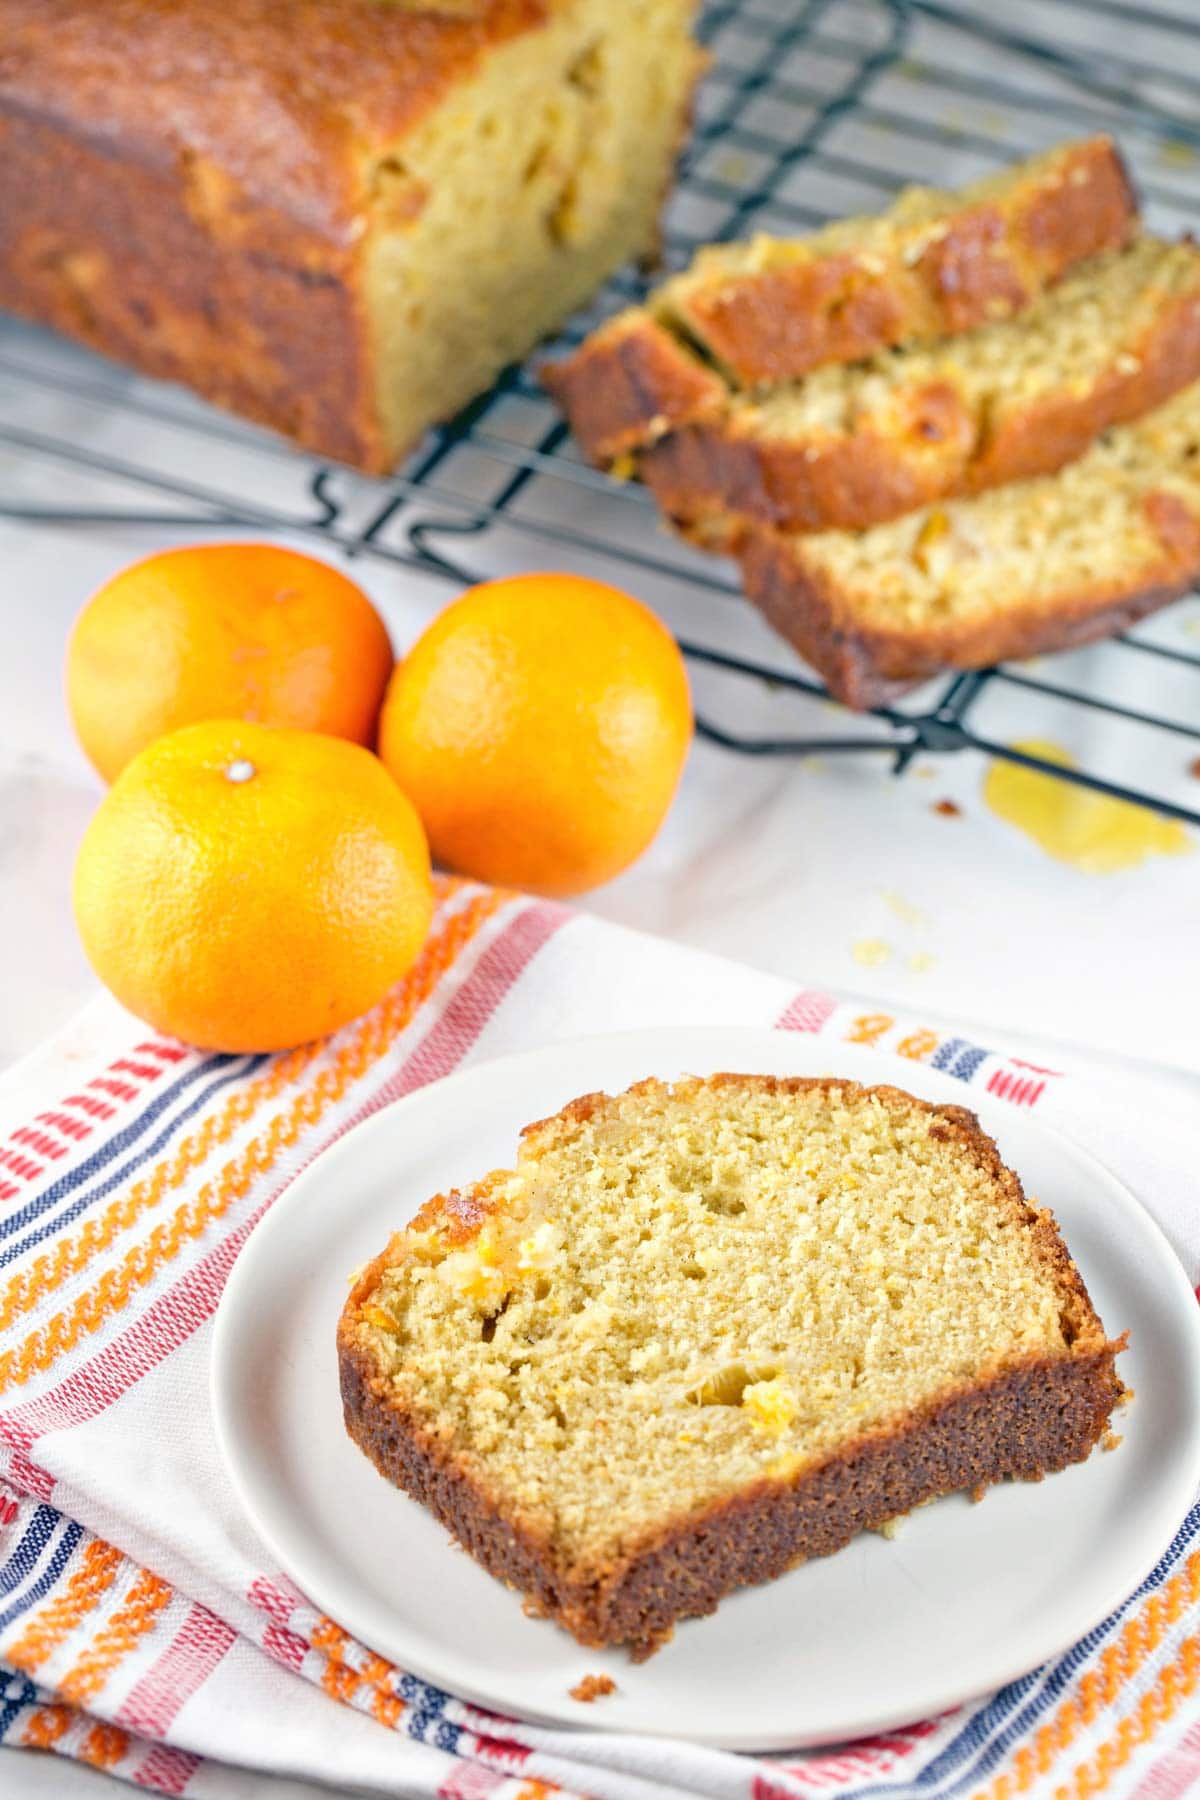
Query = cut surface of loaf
x=1039 y=565
x=753 y=314
x=854 y=445
x=340 y=218
x=704 y=1330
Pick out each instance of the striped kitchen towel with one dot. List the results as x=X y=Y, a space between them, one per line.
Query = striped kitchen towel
x=140 y=1628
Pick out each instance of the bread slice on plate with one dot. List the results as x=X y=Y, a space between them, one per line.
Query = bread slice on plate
x=1040 y=565
x=705 y=1330
x=852 y=446
x=750 y=315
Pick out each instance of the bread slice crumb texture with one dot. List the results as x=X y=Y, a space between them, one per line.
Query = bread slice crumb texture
x=690 y=1288
x=1067 y=342
x=854 y=445
x=1123 y=518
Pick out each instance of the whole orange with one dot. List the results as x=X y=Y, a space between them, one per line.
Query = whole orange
x=224 y=631
x=249 y=888
x=540 y=727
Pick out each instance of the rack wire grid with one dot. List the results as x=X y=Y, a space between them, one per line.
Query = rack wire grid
x=812 y=108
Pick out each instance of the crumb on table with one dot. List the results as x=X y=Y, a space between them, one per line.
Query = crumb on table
x=949 y=809
x=593 y=1687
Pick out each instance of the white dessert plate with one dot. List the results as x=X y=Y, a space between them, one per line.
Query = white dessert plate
x=965 y=1598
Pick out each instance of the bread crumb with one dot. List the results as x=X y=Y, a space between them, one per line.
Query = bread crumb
x=1110 y=1440
x=593 y=1687
x=891 y=1527
x=947 y=809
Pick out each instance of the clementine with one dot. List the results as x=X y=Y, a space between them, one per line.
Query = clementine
x=224 y=631
x=540 y=727
x=248 y=888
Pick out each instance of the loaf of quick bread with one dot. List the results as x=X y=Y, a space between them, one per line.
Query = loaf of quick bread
x=706 y=1329
x=340 y=218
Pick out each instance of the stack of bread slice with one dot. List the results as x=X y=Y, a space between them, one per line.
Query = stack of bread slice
x=964 y=430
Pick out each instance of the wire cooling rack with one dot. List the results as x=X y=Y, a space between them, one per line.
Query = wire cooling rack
x=812 y=108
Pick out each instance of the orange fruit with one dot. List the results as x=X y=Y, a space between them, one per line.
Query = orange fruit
x=249 y=888
x=540 y=727
x=224 y=631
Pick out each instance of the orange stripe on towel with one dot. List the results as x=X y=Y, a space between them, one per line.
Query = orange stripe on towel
x=1176 y=1683
x=1100 y=1687
x=345 y=1681
x=134 y=1618
x=54 y=1622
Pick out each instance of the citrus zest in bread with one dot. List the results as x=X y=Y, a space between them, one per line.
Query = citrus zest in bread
x=704 y=1330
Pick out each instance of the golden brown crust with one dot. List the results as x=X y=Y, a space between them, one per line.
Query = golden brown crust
x=713 y=476
x=992 y=259
x=779 y=323
x=128 y=258
x=328 y=85
x=627 y=384
x=187 y=185
x=713 y=479
x=1021 y=1420
x=866 y=666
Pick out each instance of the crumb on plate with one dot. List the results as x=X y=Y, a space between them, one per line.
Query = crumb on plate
x=593 y=1687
